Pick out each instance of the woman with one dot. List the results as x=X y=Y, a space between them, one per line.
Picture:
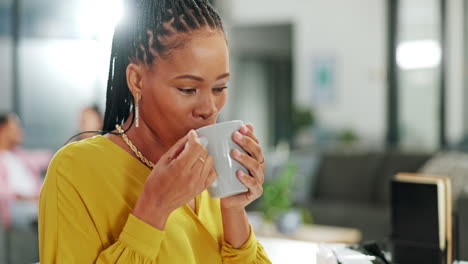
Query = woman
x=20 y=175
x=90 y=122
x=139 y=195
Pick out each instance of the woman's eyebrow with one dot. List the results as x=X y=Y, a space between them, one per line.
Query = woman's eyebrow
x=224 y=75
x=200 y=79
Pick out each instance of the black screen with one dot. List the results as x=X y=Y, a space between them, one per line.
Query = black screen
x=415 y=223
x=415 y=215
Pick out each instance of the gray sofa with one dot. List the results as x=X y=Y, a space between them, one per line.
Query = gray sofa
x=352 y=189
x=461 y=227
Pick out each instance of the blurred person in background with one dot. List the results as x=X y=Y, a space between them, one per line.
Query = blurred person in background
x=90 y=122
x=20 y=175
x=137 y=194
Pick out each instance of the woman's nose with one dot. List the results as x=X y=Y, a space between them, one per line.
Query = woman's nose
x=206 y=107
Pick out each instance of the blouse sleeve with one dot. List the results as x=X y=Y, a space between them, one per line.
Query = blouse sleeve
x=251 y=252
x=67 y=233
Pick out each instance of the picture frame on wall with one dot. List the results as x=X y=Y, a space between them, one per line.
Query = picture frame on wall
x=324 y=79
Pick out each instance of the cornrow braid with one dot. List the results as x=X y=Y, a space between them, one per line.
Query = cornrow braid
x=142 y=35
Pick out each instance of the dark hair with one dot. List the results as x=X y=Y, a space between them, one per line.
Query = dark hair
x=143 y=36
x=4 y=117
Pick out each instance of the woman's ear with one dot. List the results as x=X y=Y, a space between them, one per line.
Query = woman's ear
x=135 y=79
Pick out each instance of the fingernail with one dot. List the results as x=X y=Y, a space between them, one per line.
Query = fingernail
x=238 y=136
x=244 y=129
x=194 y=136
x=240 y=174
x=250 y=127
x=191 y=137
x=192 y=133
x=236 y=153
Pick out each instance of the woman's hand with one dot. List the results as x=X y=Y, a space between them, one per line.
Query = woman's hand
x=254 y=162
x=180 y=174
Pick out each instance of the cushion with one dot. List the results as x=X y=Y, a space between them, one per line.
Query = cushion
x=373 y=221
x=394 y=163
x=452 y=164
x=347 y=176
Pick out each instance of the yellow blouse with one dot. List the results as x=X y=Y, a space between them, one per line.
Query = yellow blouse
x=85 y=215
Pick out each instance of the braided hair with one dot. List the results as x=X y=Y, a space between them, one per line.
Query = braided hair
x=143 y=36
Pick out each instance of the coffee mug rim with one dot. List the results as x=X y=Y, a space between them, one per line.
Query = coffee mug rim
x=218 y=124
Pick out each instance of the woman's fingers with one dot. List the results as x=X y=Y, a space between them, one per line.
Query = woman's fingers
x=248 y=130
x=202 y=167
x=255 y=188
x=249 y=145
x=192 y=151
x=175 y=150
x=199 y=168
x=197 y=163
x=212 y=176
x=252 y=165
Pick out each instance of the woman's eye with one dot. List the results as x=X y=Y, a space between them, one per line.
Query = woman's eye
x=219 y=89
x=187 y=90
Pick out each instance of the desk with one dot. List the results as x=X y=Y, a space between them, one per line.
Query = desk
x=313 y=233
x=288 y=251
x=283 y=251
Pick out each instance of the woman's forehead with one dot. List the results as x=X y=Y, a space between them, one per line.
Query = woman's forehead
x=200 y=53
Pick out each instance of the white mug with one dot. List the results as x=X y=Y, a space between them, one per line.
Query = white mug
x=218 y=139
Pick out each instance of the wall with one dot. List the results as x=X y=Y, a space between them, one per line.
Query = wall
x=259 y=55
x=419 y=89
x=58 y=78
x=275 y=40
x=353 y=34
x=457 y=110
x=6 y=95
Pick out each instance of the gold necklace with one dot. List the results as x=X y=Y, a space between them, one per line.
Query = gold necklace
x=133 y=148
